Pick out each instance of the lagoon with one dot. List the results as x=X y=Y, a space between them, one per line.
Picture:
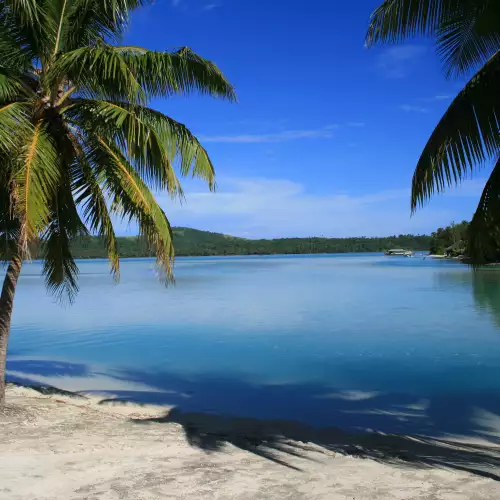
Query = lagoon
x=358 y=341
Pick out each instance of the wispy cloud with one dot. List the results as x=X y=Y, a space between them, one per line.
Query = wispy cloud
x=437 y=98
x=283 y=136
x=356 y=124
x=398 y=61
x=209 y=6
x=409 y=108
x=265 y=207
x=193 y=7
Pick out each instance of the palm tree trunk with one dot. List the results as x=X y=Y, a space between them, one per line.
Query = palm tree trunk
x=6 y=306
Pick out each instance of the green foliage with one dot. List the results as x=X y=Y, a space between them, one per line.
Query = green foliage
x=452 y=239
x=78 y=142
x=467 y=34
x=192 y=242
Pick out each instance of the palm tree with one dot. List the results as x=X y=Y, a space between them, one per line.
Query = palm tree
x=467 y=34
x=78 y=142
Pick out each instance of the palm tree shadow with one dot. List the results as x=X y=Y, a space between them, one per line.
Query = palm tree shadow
x=211 y=433
x=288 y=423
x=279 y=440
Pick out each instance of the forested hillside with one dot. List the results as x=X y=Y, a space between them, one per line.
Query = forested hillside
x=195 y=242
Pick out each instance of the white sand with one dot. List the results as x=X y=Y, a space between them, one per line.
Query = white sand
x=58 y=447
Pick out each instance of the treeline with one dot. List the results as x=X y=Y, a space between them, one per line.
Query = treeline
x=192 y=242
x=451 y=240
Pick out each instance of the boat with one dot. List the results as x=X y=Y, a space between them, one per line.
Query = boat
x=399 y=252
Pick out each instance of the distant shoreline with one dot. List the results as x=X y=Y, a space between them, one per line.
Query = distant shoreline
x=195 y=243
x=252 y=255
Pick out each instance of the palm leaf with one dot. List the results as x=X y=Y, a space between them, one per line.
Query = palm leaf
x=64 y=225
x=36 y=177
x=179 y=72
x=484 y=229
x=57 y=13
x=469 y=37
x=25 y=21
x=466 y=136
x=395 y=20
x=15 y=52
x=153 y=141
x=133 y=200
x=15 y=123
x=13 y=88
x=92 y=202
x=126 y=74
x=97 y=72
x=92 y=20
x=467 y=30
x=27 y=11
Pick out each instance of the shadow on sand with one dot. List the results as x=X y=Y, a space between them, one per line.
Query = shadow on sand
x=282 y=421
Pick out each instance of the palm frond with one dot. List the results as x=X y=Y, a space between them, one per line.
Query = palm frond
x=79 y=23
x=396 y=20
x=484 y=229
x=25 y=22
x=64 y=225
x=36 y=177
x=179 y=72
x=132 y=200
x=152 y=141
x=57 y=16
x=89 y=21
x=92 y=202
x=13 y=88
x=126 y=74
x=467 y=30
x=99 y=72
x=15 y=52
x=469 y=37
x=466 y=136
x=27 y=11
x=15 y=123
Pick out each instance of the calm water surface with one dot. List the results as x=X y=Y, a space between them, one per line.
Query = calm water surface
x=358 y=341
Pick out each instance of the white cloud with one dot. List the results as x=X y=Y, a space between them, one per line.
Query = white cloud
x=356 y=124
x=278 y=208
x=284 y=136
x=408 y=108
x=397 y=61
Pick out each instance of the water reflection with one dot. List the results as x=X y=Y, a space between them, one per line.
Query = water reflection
x=486 y=291
x=484 y=285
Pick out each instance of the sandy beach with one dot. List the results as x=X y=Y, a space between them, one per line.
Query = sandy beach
x=58 y=446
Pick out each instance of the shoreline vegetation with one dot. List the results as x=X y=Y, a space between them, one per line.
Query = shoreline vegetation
x=160 y=451
x=193 y=242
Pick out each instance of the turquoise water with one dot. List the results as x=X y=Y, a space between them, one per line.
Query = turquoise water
x=357 y=341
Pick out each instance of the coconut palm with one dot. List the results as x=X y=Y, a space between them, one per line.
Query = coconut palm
x=78 y=142
x=467 y=34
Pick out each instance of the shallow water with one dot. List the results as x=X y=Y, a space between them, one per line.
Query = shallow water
x=357 y=341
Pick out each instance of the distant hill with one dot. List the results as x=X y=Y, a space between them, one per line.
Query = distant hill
x=204 y=243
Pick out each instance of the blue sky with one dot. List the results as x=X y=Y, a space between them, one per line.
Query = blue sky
x=326 y=133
